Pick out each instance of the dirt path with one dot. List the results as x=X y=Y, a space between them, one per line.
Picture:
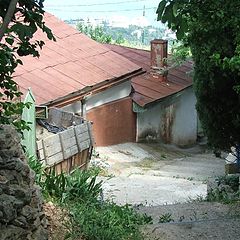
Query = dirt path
x=193 y=221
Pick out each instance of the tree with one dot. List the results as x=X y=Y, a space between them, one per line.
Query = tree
x=212 y=31
x=96 y=33
x=19 y=20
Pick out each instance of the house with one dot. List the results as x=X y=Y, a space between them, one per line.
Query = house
x=163 y=97
x=84 y=77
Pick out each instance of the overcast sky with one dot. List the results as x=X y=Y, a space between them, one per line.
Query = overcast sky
x=76 y=9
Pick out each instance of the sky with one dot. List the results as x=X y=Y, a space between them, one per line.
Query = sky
x=119 y=10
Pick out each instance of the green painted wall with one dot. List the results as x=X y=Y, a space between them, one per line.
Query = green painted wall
x=28 y=115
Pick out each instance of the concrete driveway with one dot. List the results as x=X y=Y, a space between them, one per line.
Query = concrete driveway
x=153 y=174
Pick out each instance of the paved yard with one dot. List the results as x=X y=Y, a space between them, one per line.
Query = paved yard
x=156 y=174
x=160 y=180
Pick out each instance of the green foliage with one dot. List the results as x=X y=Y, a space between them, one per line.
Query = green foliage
x=90 y=217
x=165 y=218
x=26 y=20
x=54 y=185
x=37 y=167
x=105 y=221
x=82 y=185
x=211 y=30
x=226 y=190
x=96 y=33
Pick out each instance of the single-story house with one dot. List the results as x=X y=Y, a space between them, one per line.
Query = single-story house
x=84 y=77
x=163 y=97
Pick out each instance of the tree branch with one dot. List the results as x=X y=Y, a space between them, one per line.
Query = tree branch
x=8 y=18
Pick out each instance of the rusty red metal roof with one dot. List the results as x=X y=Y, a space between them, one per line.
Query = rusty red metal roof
x=147 y=87
x=72 y=63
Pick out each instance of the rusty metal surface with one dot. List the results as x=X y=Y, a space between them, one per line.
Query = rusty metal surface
x=149 y=88
x=71 y=63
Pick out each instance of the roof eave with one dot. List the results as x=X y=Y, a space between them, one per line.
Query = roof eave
x=78 y=95
x=161 y=99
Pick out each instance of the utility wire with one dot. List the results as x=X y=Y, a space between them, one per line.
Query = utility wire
x=93 y=4
x=120 y=10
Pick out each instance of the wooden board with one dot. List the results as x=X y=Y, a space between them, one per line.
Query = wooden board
x=69 y=143
x=54 y=159
x=84 y=145
x=81 y=128
x=90 y=132
x=52 y=145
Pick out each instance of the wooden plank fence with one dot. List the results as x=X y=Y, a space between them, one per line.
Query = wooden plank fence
x=68 y=149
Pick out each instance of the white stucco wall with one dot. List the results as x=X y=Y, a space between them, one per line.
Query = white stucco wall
x=184 y=131
x=73 y=108
x=114 y=93
x=174 y=120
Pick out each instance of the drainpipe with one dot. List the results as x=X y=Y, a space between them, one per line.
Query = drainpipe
x=83 y=108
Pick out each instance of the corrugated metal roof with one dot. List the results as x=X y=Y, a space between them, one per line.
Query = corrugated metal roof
x=148 y=88
x=70 y=64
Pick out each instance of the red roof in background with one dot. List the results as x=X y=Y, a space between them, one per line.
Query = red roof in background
x=70 y=64
x=149 y=89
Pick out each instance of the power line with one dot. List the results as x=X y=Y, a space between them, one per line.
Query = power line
x=94 y=4
x=98 y=11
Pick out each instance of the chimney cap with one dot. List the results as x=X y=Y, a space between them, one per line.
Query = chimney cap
x=159 y=41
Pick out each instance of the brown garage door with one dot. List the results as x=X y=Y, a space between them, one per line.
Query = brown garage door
x=113 y=122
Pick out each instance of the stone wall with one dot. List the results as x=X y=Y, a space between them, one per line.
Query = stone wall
x=21 y=213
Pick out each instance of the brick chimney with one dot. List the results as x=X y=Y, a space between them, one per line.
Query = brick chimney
x=158 y=58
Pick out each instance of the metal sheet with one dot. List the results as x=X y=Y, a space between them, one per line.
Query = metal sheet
x=71 y=63
x=147 y=88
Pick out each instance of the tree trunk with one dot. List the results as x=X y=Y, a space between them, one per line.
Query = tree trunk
x=8 y=17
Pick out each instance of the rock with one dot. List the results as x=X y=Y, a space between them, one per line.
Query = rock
x=21 y=214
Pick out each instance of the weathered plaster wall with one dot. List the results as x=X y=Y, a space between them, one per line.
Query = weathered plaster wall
x=173 y=120
x=21 y=214
x=185 y=124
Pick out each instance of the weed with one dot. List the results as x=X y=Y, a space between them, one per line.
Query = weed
x=82 y=185
x=105 y=221
x=165 y=218
x=54 y=185
x=146 y=163
x=95 y=154
x=163 y=155
x=37 y=167
x=199 y=198
x=225 y=190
